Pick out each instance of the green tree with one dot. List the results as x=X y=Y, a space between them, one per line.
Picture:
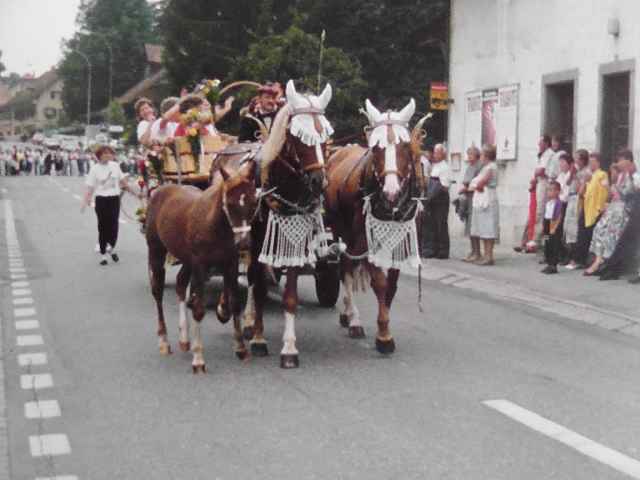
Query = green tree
x=295 y=55
x=126 y=25
x=203 y=38
x=115 y=114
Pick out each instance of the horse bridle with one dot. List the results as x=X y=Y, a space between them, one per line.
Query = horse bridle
x=391 y=140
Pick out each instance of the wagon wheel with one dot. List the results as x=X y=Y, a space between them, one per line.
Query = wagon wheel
x=327 y=278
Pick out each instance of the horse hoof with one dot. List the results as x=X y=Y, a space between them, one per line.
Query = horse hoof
x=259 y=349
x=199 y=369
x=222 y=315
x=289 y=361
x=242 y=355
x=344 y=321
x=356 y=332
x=385 y=347
x=185 y=346
x=247 y=333
x=165 y=350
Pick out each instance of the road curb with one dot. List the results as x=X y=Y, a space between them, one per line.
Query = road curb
x=504 y=290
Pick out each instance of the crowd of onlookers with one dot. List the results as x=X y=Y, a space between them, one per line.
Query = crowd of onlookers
x=37 y=160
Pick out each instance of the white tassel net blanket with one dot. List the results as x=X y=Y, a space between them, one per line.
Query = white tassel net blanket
x=293 y=240
x=391 y=244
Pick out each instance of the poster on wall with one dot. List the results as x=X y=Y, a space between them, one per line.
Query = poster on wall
x=491 y=117
x=473 y=120
x=507 y=122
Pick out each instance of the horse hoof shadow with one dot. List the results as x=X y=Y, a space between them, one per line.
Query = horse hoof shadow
x=184 y=346
x=344 y=321
x=199 y=369
x=356 y=332
x=385 y=347
x=289 y=361
x=242 y=355
x=259 y=350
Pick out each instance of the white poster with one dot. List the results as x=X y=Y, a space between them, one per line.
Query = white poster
x=473 y=120
x=506 y=118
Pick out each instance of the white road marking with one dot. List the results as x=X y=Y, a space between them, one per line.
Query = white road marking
x=17 y=269
x=16 y=262
x=18 y=292
x=27 y=324
x=49 y=445
x=65 y=189
x=20 y=284
x=59 y=477
x=614 y=459
x=29 y=340
x=23 y=301
x=42 y=409
x=36 y=381
x=4 y=190
x=24 y=312
x=27 y=359
x=17 y=276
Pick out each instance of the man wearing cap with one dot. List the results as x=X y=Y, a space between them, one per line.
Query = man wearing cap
x=264 y=108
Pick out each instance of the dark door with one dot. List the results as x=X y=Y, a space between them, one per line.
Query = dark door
x=559 y=112
x=616 y=115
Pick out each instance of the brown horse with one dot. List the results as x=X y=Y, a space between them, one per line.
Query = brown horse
x=203 y=230
x=285 y=233
x=381 y=181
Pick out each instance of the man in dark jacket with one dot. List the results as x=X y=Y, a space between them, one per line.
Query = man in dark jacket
x=263 y=107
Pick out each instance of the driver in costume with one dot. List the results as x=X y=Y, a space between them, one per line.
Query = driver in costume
x=263 y=107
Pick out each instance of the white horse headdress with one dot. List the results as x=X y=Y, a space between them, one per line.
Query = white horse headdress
x=308 y=121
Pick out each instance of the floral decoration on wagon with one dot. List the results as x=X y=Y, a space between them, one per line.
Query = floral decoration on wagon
x=194 y=121
x=210 y=89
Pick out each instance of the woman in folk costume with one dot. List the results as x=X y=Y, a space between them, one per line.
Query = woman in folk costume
x=532 y=236
x=264 y=108
x=614 y=220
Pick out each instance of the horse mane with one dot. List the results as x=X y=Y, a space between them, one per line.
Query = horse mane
x=277 y=138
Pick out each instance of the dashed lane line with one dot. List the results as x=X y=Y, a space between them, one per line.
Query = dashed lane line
x=597 y=451
x=49 y=445
x=24 y=312
x=27 y=325
x=36 y=381
x=42 y=409
x=32 y=359
x=29 y=340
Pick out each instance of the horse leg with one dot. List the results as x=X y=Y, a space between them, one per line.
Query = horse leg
x=157 y=279
x=182 y=284
x=198 y=311
x=258 y=343
x=384 y=341
x=350 y=316
x=392 y=285
x=289 y=353
x=249 y=316
x=232 y=295
x=223 y=309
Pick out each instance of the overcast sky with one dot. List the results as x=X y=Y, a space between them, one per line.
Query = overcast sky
x=31 y=31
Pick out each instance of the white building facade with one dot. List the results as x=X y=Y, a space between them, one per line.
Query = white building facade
x=521 y=68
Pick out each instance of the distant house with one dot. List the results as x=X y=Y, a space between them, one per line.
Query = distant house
x=33 y=104
x=154 y=85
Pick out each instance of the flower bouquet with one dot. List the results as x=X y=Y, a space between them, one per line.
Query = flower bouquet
x=194 y=121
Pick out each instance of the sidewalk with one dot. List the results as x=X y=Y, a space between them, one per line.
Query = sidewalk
x=516 y=277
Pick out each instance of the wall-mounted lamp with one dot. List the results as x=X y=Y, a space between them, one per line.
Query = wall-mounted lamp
x=613 y=27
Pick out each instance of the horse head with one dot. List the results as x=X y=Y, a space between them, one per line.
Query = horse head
x=239 y=202
x=391 y=144
x=299 y=137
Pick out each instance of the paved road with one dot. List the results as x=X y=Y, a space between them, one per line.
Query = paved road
x=125 y=412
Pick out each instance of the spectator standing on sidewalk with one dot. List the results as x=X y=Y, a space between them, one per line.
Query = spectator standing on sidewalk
x=465 y=202
x=568 y=189
x=553 y=228
x=3 y=163
x=485 y=219
x=532 y=235
x=574 y=204
x=596 y=192
x=436 y=216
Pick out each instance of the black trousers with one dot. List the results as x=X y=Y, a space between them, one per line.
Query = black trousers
x=553 y=248
x=435 y=228
x=585 y=234
x=108 y=213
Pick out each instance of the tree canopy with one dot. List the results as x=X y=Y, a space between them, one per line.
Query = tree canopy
x=125 y=25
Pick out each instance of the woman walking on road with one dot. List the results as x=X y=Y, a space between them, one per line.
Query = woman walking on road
x=106 y=181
